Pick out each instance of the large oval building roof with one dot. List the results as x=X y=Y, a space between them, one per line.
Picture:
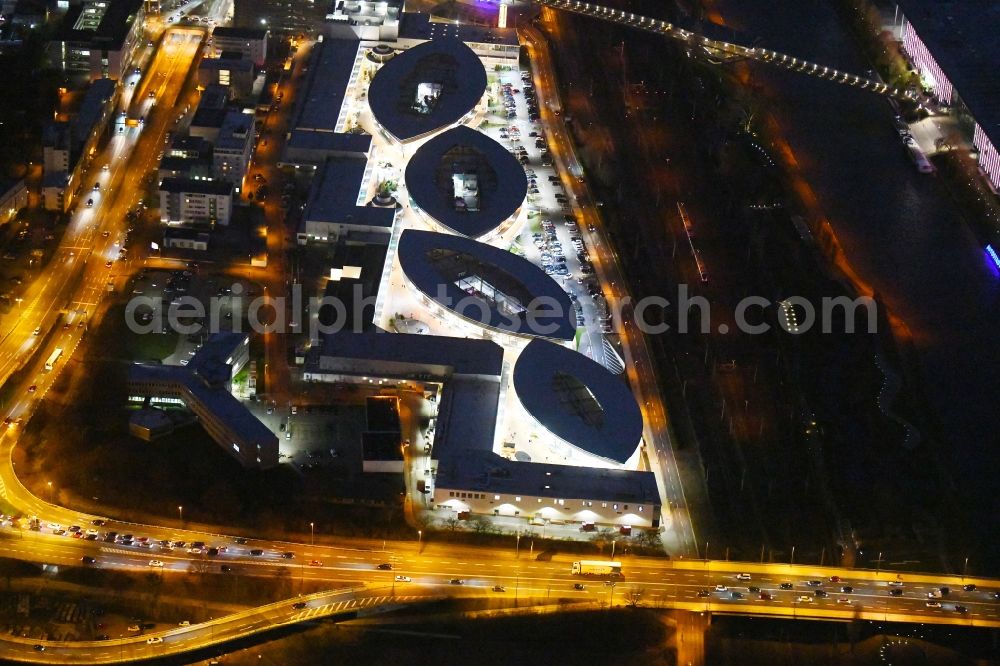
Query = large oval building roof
x=489 y=286
x=426 y=88
x=578 y=400
x=466 y=181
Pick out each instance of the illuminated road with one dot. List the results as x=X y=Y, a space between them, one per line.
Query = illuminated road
x=77 y=276
x=221 y=630
x=81 y=280
x=680 y=537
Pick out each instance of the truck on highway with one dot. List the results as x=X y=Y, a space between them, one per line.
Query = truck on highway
x=51 y=362
x=597 y=568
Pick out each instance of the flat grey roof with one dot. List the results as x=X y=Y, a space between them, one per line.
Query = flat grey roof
x=92 y=107
x=307 y=139
x=962 y=38
x=467 y=416
x=461 y=356
x=509 y=293
x=239 y=33
x=417 y=25
x=110 y=33
x=219 y=401
x=322 y=94
x=239 y=64
x=578 y=400
x=181 y=185
x=333 y=196
x=235 y=130
x=445 y=62
x=503 y=184
x=486 y=471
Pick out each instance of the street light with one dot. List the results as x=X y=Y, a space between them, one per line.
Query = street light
x=312 y=534
x=420 y=540
x=180 y=512
x=613 y=544
x=517 y=551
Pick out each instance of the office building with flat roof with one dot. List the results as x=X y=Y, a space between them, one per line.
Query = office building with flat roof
x=98 y=38
x=336 y=209
x=186 y=201
x=233 y=148
x=251 y=42
x=204 y=387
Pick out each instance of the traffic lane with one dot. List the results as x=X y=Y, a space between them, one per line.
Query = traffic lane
x=439 y=572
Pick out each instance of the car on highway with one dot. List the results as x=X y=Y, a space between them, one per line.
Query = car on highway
x=743 y=576
x=97 y=186
x=98 y=522
x=932 y=604
x=820 y=593
x=846 y=589
x=256 y=552
x=315 y=563
x=385 y=566
x=721 y=588
x=92 y=532
x=153 y=640
x=403 y=579
x=225 y=568
x=240 y=540
x=843 y=601
x=457 y=581
x=814 y=583
x=804 y=599
x=299 y=605
x=288 y=556
x=895 y=592
x=959 y=608
x=155 y=563
x=87 y=559
x=134 y=627
x=499 y=588
x=895 y=583
x=766 y=596
x=754 y=589
x=834 y=579
x=701 y=593
x=90 y=203
x=39 y=647
x=32 y=388
x=969 y=588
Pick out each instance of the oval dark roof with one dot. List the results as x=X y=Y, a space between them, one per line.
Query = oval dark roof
x=501 y=184
x=427 y=87
x=492 y=287
x=578 y=400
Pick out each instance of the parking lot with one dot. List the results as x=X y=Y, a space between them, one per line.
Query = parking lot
x=551 y=239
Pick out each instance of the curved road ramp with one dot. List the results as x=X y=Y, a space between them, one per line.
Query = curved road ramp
x=346 y=603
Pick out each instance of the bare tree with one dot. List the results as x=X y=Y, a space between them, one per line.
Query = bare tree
x=632 y=597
